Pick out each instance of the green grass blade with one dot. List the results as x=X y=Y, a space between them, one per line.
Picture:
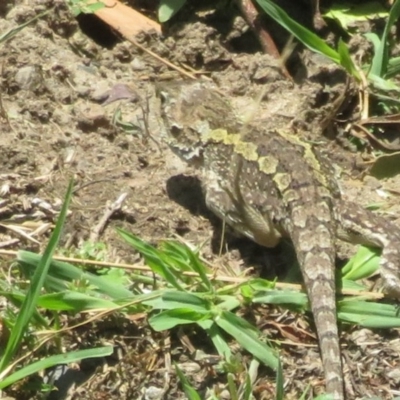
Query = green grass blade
x=393 y=67
x=374 y=39
x=154 y=258
x=362 y=265
x=276 y=296
x=67 y=358
x=279 y=392
x=61 y=274
x=327 y=397
x=247 y=336
x=78 y=7
x=29 y=304
x=192 y=260
x=232 y=389
x=179 y=316
x=369 y=314
x=308 y=38
x=370 y=322
x=385 y=85
x=255 y=284
x=173 y=299
x=248 y=385
x=229 y=302
x=168 y=8
x=74 y=301
x=217 y=337
x=170 y=299
x=380 y=61
x=13 y=31
x=17 y=299
x=182 y=308
x=345 y=60
x=349 y=15
x=188 y=389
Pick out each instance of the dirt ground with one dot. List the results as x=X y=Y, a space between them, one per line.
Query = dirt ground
x=66 y=97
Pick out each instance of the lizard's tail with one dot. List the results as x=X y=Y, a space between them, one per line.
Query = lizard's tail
x=314 y=244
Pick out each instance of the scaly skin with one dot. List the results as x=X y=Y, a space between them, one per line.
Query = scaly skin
x=270 y=184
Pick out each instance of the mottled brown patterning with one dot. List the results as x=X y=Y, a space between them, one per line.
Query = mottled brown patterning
x=270 y=184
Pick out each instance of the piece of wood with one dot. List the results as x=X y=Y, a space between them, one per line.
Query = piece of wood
x=124 y=19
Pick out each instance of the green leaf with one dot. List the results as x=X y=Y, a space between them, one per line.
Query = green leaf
x=308 y=38
x=17 y=298
x=229 y=303
x=276 y=296
x=351 y=285
x=61 y=274
x=362 y=265
x=385 y=85
x=369 y=314
x=374 y=39
x=187 y=260
x=13 y=31
x=381 y=56
x=168 y=8
x=325 y=397
x=346 y=13
x=393 y=67
x=48 y=362
x=182 y=308
x=188 y=389
x=74 y=301
x=154 y=258
x=217 y=337
x=232 y=389
x=279 y=392
x=248 y=384
x=173 y=299
x=178 y=316
x=247 y=336
x=345 y=60
x=35 y=287
x=83 y=6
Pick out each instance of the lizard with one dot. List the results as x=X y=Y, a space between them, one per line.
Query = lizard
x=270 y=184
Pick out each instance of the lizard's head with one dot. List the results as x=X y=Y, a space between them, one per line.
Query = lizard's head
x=189 y=112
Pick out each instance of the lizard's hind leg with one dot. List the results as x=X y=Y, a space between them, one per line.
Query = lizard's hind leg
x=360 y=226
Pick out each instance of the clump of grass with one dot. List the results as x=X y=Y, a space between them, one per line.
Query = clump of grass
x=27 y=301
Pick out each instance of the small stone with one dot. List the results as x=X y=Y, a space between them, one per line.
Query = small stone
x=137 y=64
x=29 y=77
x=153 y=393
